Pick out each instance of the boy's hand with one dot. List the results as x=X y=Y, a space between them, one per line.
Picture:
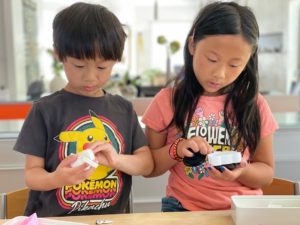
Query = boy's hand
x=67 y=175
x=105 y=153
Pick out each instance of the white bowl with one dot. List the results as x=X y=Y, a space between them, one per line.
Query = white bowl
x=266 y=210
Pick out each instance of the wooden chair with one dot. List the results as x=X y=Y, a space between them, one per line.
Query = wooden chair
x=129 y=205
x=13 y=203
x=281 y=187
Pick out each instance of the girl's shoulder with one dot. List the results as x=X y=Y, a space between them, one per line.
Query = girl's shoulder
x=163 y=98
x=263 y=105
x=164 y=93
x=260 y=97
x=261 y=101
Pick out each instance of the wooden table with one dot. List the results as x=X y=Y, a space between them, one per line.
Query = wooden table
x=174 y=218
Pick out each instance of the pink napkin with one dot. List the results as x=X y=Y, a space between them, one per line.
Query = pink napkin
x=31 y=220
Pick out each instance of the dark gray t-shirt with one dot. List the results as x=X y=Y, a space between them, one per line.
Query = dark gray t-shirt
x=63 y=123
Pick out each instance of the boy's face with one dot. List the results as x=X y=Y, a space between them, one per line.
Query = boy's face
x=86 y=76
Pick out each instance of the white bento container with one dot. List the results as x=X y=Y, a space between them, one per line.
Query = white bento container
x=266 y=210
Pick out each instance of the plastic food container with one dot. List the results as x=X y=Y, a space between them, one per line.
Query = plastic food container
x=224 y=158
x=266 y=210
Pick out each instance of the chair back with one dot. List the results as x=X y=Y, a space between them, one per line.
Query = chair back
x=13 y=203
x=129 y=205
x=281 y=186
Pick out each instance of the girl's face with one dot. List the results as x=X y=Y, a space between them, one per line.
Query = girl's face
x=218 y=60
x=87 y=77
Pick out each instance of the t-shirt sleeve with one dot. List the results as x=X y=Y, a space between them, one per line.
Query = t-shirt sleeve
x=268 y=122
x=159 y=113
x=32 y=138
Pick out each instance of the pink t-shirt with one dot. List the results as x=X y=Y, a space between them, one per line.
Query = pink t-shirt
x=197 y=191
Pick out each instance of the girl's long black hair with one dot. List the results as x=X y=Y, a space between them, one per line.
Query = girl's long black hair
x=221 y=18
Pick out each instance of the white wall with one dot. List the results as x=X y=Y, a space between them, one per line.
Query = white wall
x=277 y=70
x=13 y=72
x=3 y=79
x=272 y=19
x=139 y=17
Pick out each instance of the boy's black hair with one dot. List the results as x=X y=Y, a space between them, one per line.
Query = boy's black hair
x=85 y=30
x=221 y=18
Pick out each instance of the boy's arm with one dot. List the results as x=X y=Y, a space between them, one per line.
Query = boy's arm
x=140 y=163
x=160 y=152
x=37 y=178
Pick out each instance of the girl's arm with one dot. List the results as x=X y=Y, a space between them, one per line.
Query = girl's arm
x=260 y=171
x=37 y=178
x=256 y=174
x=160 y=151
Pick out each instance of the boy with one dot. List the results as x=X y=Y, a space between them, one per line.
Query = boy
x=88 y=40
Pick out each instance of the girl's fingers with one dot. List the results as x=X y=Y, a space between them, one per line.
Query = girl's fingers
x=201 y=145
x=243 y=163
x=187 y=152
x=189 y=146
x=192 y=145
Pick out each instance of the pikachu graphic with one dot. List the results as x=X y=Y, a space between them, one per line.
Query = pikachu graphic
x=89 y=135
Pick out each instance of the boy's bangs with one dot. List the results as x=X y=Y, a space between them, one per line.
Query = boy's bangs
x=88 y=50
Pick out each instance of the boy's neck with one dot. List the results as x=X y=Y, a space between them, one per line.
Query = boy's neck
x=101 y=93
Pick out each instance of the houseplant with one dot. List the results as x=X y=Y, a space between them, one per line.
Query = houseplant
x=58 y=82
x=171 y=48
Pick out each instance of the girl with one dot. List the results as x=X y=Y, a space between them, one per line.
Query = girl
x=213 y=106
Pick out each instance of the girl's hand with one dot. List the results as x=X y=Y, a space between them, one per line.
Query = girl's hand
x=226 y=174
x=67 y=175
x=196 y=144
x=105 y=153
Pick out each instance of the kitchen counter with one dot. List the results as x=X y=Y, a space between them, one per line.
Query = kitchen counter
x=286 y=120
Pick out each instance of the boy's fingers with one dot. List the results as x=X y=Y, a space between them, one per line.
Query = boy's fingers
x=69 y=160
